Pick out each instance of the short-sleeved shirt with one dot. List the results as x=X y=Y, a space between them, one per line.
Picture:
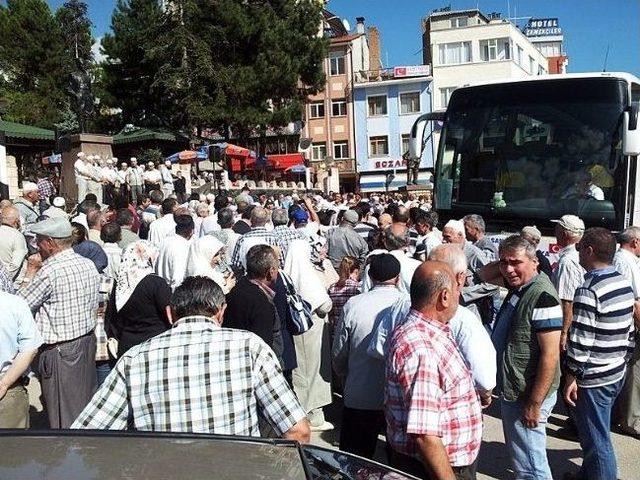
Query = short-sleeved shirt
x=196 y=377
x=429 y=391
x=569 y=274
x=627 y=264
x=18 y=331
x=547 y=315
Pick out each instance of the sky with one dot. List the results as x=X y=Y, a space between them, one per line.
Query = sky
x=589 y=26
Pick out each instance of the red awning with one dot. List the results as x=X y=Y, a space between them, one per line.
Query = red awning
x=284 y=161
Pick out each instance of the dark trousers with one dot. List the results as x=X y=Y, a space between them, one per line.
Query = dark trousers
x=415 y=467
x=360 y=430
x=68 y=378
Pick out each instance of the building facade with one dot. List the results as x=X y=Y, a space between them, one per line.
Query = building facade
x=465 y=46
x=386 y=104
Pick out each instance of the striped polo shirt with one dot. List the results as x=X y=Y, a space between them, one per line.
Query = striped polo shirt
x=601 y=334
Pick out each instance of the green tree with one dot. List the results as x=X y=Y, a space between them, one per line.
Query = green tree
x=73 y=18
x=32 y=62
x=128 y=72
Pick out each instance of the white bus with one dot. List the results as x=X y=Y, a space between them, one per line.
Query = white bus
x=523 y=152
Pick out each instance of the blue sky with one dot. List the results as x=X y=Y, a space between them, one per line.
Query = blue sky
x=588 y=25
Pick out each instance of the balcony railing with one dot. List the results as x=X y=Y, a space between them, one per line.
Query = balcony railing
x=344 y=166
x=366 y=76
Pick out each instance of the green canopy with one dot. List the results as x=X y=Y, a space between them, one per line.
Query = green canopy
x=18 y=130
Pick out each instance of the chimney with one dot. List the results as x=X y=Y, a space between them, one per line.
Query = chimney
x=374 y=48
x=360 y=25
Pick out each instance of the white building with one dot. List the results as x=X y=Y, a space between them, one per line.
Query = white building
x=464 y=47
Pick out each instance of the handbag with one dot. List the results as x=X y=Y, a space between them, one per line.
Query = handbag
x=300 y=312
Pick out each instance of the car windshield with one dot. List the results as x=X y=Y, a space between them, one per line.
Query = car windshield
x=534 y=150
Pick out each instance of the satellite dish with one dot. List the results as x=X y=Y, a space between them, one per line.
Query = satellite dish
x=304 y=145
x=346 y=25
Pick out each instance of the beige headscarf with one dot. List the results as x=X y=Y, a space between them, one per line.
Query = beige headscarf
x=201 y=252
x=135 y=264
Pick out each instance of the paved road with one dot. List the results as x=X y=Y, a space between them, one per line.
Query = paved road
x=564 y=455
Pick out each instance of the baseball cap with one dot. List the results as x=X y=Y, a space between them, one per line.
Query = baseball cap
x=56 y=227
x=571 y=223
x=350 y=216
x=299 y=215
x=384 y=267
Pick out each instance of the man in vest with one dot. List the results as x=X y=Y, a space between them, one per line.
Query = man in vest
x=526 y=337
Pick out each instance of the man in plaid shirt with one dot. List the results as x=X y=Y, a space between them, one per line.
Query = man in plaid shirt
x=198 y=377
x=432 y=410
x=258 y=235
x=284 y=234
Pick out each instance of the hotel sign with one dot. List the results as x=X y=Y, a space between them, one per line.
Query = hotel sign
x=542 y=27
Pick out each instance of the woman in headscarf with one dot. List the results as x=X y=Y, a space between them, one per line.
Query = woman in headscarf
x=137 y=308
x=312 y=377
x=204 y=259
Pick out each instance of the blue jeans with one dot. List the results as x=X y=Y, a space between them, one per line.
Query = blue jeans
x=593 y=420
x=527 y=447
x=103 y=368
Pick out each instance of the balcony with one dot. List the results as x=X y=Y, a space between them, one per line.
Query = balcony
x=382 y=74
x=344 y=166
x=367 y=76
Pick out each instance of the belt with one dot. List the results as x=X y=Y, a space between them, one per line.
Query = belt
x=51 y=346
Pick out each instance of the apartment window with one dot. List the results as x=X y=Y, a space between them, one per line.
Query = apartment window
x=532 y=66
x=337 y=65
x=495 y=49
x=445 y=95
x=379 y=146
x=409 y=102
x=338 y=108
x=454 y=53
x=317 y=110
x=459 y=22
x=520 y=58
x=404 y=143
x=340 y=150
x=377 y=105
x=318 y=151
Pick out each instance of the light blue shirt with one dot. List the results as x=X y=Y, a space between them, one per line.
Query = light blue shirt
x=472 y=340
x=364 y=375
x=18 y=331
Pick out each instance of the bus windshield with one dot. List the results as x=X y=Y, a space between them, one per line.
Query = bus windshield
x=535 y=150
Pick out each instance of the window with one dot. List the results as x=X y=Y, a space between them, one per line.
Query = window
x=495 y=49
x=337 y=65
x=409 y=102
x=453 y=53
x=520 y=58
x=377 y=105
x=317 y=110
x=318 y=151
x=459 y=22
x=338 y=108
x=541 y=70
x=445 y=95
x=379 y=146
x=404 y=143
x=532 y=66
x=340 y=150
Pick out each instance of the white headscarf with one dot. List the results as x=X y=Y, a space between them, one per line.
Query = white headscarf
x=303 y=275
x=201 y=252
x=136 y=263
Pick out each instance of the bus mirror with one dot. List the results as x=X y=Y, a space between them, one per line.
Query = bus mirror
x=630 y=132
x=416 y=139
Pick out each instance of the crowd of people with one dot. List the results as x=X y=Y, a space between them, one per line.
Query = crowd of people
x=250 y=314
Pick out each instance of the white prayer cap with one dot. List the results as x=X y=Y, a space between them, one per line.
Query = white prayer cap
x=29 y=187
x=168 y=163
x=114 y=159
x=80 y=155
x=59 y=202
x=456 y=226
x=133 y=159
x=109 y=161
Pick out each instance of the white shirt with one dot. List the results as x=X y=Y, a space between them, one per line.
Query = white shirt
x=172 y=260
x=152 y=176
x=627 y=264
x=165 y=174
x=472 y=340
x=114 y=255
x=134 y=176
x=81 y=169
x=407 y=267
x=569 y=274
x=162 y=228
x=209 y=224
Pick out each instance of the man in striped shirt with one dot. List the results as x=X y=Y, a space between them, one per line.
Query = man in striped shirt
x=600 y=343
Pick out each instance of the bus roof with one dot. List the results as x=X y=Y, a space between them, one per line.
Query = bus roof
x=566 y=76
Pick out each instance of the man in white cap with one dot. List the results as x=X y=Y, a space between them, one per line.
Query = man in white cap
x=134 y=180
x=82 y=173
x=62 y=292
x=57 y=208
x=122 y=178
x=167 y=179
x=94 y=183
x=152 y=178
x=27 y=205
x=568 y=274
